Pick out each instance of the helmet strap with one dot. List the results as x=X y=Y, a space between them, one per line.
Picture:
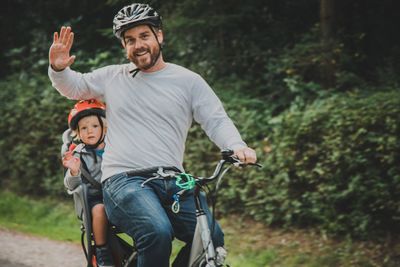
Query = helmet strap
x=159 y=44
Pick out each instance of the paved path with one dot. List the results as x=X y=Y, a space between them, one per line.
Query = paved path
x=20 y=250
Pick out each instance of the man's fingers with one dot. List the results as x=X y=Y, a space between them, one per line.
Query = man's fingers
x=250 y=156
x=70 y=40
x=240 y=155
x=62 y=34
x=67 y=35
x=246 y=155
x=55 y=37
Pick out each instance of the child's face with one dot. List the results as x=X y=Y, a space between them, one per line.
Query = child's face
x=90 y=130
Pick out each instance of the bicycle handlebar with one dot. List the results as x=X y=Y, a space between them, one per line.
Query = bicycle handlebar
x=227 y=157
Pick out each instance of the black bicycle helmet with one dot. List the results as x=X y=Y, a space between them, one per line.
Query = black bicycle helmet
x=133 y=15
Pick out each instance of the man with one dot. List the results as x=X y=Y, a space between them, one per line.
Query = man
x=150 y=108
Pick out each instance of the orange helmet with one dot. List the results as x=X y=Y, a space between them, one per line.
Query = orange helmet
x=85 y=108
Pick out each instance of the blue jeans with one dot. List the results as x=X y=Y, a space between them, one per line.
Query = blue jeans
x=145 y=214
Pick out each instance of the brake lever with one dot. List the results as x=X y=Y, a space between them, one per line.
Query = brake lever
x=237 y=163
x=255 y=164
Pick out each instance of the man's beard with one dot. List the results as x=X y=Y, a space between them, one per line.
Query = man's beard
x=142 y=62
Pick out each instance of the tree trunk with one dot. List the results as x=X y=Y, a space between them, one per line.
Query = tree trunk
x=327 y=24
x=327 y=19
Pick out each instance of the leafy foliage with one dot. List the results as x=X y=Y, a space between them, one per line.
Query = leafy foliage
x=34 y=116
x=334 y=165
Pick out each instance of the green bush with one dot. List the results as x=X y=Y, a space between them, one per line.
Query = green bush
x=34 y=116
x=335 y=165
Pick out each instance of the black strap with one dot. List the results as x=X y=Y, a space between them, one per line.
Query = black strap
x=86 y=175
x=150 y=171
x=90 y=179
x=135 y=71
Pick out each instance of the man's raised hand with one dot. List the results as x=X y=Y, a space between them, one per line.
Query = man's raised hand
x=59 y=56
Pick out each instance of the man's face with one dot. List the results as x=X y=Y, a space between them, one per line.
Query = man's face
x=141 y=46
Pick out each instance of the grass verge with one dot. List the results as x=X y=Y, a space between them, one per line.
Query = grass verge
x=249 y=244
x=45 y=217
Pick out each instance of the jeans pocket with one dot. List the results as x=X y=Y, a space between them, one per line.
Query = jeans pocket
x=114 y=184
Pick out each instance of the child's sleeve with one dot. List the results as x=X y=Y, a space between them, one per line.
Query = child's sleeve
x=72 y=181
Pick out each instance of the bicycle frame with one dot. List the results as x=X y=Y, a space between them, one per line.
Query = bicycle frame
x=202 y=252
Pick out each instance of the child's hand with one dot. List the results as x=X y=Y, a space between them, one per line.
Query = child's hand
x=71 y=162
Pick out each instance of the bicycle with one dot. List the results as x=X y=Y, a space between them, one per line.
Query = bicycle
x=202 y=254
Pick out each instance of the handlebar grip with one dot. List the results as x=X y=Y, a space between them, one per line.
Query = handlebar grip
x=228 y=155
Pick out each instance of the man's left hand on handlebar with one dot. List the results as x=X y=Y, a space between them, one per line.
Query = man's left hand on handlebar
x=246 y=155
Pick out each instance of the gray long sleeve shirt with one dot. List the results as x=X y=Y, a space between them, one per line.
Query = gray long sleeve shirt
x=149 y=116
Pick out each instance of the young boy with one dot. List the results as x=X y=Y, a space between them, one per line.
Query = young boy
x=87 y=122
